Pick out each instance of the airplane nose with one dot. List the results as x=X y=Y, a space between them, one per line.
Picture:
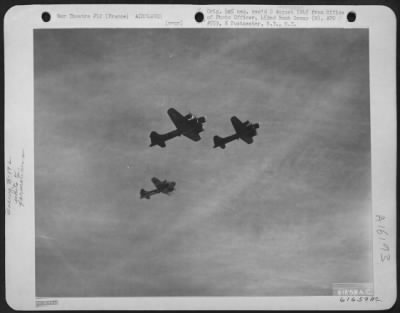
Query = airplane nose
x=256 y=125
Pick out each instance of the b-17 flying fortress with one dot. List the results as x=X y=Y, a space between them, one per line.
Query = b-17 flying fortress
x=188 y=126
x=245 y=131
x=191 y=126
x=165 y=187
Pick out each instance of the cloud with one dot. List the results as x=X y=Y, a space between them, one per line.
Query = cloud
x=287 y=215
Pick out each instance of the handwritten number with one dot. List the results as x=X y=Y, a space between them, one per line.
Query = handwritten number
x=385 y=247
x=379 y=218
x=381 y=231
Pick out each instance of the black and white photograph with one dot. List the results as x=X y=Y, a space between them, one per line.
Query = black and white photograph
x=210 y=157
x=191 y=162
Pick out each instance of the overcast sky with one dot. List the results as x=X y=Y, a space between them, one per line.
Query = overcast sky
x=287 y=215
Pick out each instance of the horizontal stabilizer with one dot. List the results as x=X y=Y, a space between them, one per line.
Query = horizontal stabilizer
x=144 y=194
x=157 y=139
x=219 y=142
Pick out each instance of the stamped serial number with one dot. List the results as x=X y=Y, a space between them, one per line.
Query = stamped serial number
x=360 y=299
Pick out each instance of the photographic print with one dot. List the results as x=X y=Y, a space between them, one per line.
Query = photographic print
x=216 y=157
x=284 y=213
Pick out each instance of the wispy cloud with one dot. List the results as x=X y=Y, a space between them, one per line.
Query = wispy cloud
x=271 y=218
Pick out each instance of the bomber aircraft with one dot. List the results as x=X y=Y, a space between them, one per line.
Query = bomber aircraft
x=161 y=187
x=245 y=131
x=188 y=125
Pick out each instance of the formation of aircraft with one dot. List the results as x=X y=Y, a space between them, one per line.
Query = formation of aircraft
x=245 y=131
x=190 y=127
x=165 y=187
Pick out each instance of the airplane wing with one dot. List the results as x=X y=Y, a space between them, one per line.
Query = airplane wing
x=247 y=139
x=178 y=119
x=193 y=136
x=237 y=125
x=240 y=129
x=156 y=182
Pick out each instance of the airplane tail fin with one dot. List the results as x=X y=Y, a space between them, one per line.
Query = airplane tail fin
x=157 y=139
x=143 y=194
x=219 y=142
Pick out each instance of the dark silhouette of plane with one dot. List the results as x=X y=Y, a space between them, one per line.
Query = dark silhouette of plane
x=161 y=187
x=245 y=131
x=188 y=126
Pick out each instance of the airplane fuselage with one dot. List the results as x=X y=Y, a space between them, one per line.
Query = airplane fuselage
x=188 y=125
x=195 y=127
x=163 y=187
x=244 y=131
x=249 y=131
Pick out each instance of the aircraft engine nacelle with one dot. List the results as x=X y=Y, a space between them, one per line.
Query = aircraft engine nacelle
x=189 y=116
x=202 y=119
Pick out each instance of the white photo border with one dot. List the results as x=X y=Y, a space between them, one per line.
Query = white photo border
x=19 y=23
